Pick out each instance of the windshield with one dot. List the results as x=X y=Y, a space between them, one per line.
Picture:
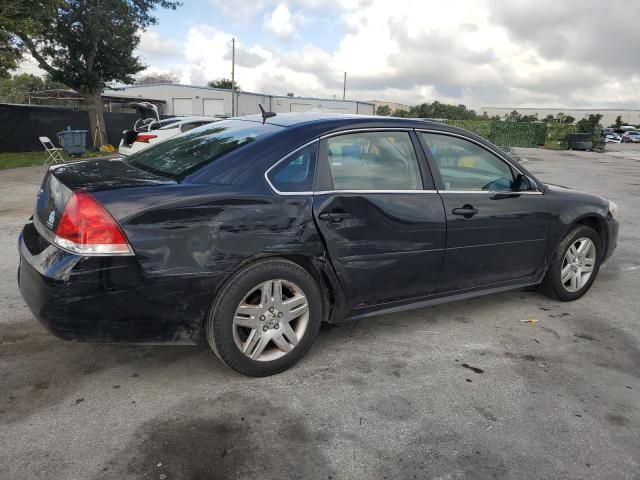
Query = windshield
x=189 y=151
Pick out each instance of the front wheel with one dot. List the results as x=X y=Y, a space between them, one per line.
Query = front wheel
x=574 y=266
x=266 y=318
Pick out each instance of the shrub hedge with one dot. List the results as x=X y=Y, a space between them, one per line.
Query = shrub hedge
x=506 y=134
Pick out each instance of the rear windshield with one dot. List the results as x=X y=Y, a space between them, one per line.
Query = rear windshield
x=189 y=151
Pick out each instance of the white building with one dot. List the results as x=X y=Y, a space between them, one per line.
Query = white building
x=629 y=116
x=192 y=100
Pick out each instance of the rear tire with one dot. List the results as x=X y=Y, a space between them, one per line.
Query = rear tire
x=266 y=318
x=572 y=271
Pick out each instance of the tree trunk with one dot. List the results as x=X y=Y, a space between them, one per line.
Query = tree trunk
x=95 y=108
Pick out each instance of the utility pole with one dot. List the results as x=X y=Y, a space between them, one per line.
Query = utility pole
x=233 y=77
x=344 y=86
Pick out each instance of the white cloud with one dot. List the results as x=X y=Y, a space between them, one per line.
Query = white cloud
x=281 y=23
x=153 y=45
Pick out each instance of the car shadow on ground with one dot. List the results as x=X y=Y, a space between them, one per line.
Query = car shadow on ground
x=40 y=370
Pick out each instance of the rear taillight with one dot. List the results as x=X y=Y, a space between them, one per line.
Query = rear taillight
x=87 y=228
x=145 y=137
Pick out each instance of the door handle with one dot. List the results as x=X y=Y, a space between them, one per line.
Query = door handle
x=467 y=211
x=334 y=217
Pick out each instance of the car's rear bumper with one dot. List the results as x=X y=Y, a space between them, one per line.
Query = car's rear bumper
x=107 y=299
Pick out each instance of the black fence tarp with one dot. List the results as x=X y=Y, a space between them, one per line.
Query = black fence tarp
x=21 y=125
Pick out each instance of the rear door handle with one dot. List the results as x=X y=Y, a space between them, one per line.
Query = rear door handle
x=333 y=216
x=467 y=211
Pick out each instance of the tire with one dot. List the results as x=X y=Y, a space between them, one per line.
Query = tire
x=249 y=300
x=553 y=286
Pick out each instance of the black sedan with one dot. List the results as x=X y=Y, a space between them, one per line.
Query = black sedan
x=252 y=233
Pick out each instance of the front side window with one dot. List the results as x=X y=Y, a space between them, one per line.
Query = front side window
x=295 y=173
x=465 y=166
x=373 y=161
x=185 y=153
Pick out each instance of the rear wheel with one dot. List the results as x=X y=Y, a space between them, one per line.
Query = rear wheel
x=574 y=266
x=266 y=318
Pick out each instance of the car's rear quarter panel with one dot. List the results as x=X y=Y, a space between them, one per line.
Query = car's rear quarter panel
x=190 y=239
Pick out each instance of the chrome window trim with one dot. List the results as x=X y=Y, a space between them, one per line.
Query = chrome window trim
x=368 y=192
x=325 y=192
x=499 y=155
x=372 y=129
x=505 y=192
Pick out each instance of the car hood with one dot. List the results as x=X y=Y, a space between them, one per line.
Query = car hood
x=554 y=186
x=571 y=194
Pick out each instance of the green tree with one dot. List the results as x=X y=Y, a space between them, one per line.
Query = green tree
x=84 y=44
x=384 y=110
x=16 y=89
x=156 y=78
x=514 y=116
x=443 y=110
x=529 y=118
x=399 y=112
x=486 y=116
x=559 y=118
x=589 y=124
x=618 y=123
x=225 y=83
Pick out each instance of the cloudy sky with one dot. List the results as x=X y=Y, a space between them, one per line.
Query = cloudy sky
x=564 y=53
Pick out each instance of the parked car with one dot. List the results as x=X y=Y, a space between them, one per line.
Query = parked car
x=252 y=233
x=610 y=136
x=632 y=136
x=150 y=130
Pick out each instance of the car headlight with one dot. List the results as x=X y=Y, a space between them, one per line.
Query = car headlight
x=613 y=209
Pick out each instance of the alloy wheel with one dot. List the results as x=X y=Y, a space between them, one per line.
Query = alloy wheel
x=578 y=264
x=270 y=320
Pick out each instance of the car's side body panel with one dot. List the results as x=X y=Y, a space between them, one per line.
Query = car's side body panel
x=388 y=246
x=505 y=240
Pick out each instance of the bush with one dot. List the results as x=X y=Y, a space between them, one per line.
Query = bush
x=518 y=134
x=479 y=127
x=506 y=134
x=557 y=135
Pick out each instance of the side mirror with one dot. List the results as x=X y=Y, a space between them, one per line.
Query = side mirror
x=523 y=183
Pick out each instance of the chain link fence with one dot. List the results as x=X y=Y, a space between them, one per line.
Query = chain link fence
x=526 y=134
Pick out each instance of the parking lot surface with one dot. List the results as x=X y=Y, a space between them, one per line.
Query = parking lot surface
x=462 y=390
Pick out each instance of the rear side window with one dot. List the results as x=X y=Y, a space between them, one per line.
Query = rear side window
x=295 y=173
x=373 y=161
x=191 y=150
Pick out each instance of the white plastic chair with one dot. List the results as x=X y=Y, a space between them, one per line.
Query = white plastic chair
x=53 y=152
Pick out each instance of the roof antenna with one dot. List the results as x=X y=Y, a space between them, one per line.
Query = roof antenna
x=265 y=115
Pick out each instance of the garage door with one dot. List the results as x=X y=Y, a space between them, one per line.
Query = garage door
x=182 y=106
x=212 y=107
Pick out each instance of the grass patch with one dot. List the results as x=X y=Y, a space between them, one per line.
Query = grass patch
x=30 y=159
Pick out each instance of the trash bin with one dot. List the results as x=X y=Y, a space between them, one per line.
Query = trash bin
x=74 y=142
x=580 y=141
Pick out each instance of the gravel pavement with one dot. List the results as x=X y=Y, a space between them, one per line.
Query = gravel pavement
x=462 y=390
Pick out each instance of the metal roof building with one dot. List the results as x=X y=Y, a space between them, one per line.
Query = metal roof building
x=193 y=100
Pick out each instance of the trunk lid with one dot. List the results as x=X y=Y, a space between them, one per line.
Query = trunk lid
x=89 y=176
